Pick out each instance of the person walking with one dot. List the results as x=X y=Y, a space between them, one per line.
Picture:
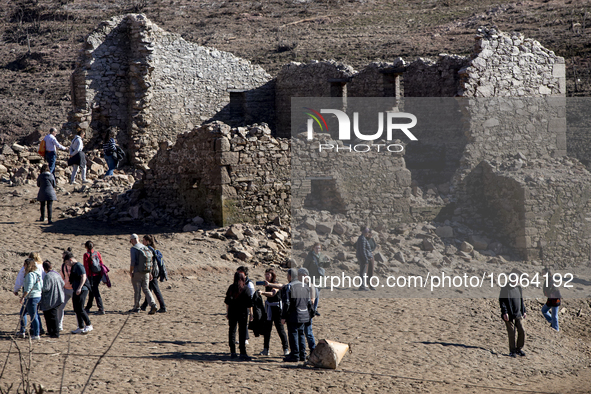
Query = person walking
x=68 y=292
x=513 y=313
x=273 y=309
x=77 y=158
x=18 y=284
x=238 y=303
x=51 y=144
x=32 y=286
x=81 y=287
x=150 y=242
x=140 y=277
x=52 y=296
x=553 y=301
x=46 y=194
x=109 y=149
x=90 y=260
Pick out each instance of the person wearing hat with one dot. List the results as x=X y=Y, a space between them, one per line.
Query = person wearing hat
x=295 y=313
x=139 y=280
x=51 y=144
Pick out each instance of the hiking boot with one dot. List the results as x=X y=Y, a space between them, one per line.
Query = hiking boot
x=78 y=331
x=291 y=359
x=152 y=310
x=100 y=312
x=265 y=352
x=87 y=329
x=363 y=288
x=372 y=288
x=513 y=354
x=134 y=310
x=144 y=306
x=245 y=357
x=520 y=353
x=162 y=310
x=233 y=355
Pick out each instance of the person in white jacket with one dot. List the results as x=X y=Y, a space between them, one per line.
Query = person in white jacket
x=18 y=284
x=78 y=158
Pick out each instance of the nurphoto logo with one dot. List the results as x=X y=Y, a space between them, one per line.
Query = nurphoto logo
x=392 y=121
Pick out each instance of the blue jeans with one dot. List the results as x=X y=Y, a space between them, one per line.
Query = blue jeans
x=23 y=314
x=31 y=308
x=50 y=158
x=112 y=163
x=310 y=336
x=552 y=319
x=297 y=340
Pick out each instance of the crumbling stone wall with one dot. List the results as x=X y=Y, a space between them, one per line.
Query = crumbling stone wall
x=428 y=78
x=512 y=65
x=578 y=134
x=542 y=211
x=371 y=187
x=153 y=85
x=224 y=175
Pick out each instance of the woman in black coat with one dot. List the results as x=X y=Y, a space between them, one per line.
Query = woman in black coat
x=46 y=183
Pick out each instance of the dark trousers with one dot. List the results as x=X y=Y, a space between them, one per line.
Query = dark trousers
x=362 y=266
x=95 y=281
x=153 y=285
x=278 y=326
x=240 y=321
x=512 y=326
x=49 y=209
x=78 y=302
x=297 y=340
x=52 y=322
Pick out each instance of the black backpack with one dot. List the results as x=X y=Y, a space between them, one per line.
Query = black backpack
x=95 y=263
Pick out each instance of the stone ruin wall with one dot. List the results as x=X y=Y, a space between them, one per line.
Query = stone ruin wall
x=542 y=211
x=366 y=187
x=153 y=85
x=223 y=174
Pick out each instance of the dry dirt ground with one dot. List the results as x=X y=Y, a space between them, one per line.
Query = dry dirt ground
x=40 y=39
x=398 y=345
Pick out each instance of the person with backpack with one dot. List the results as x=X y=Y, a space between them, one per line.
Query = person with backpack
x=110 y=149
x=93 y=264
x=32 y=295
x=51 y=144
x=80 y=287
x=553 y=301
x=140 y=270
x=158 y=272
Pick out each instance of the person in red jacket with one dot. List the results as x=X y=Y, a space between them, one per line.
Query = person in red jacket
x=93 y=277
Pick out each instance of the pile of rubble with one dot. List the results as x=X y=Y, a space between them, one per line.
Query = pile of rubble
x=407 y=248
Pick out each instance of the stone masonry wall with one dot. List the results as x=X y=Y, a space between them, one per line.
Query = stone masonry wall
x=543 y=211
x=224 y=175
x=153 y=85
x=371 y=187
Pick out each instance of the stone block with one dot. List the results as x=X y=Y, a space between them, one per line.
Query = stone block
x=324 y=227
x=445 y=232
x=466 y=247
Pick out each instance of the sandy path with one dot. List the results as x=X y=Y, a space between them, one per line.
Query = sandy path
x=399 y=345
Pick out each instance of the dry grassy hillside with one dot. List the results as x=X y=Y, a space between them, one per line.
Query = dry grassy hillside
x=39 y=39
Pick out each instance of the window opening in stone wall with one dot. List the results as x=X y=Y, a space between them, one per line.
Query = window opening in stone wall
x=324 y=196
x=237 y=105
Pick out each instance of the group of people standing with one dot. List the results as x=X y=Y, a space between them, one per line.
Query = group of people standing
x=49 y=291
x=293 y=304
x=77 y=159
